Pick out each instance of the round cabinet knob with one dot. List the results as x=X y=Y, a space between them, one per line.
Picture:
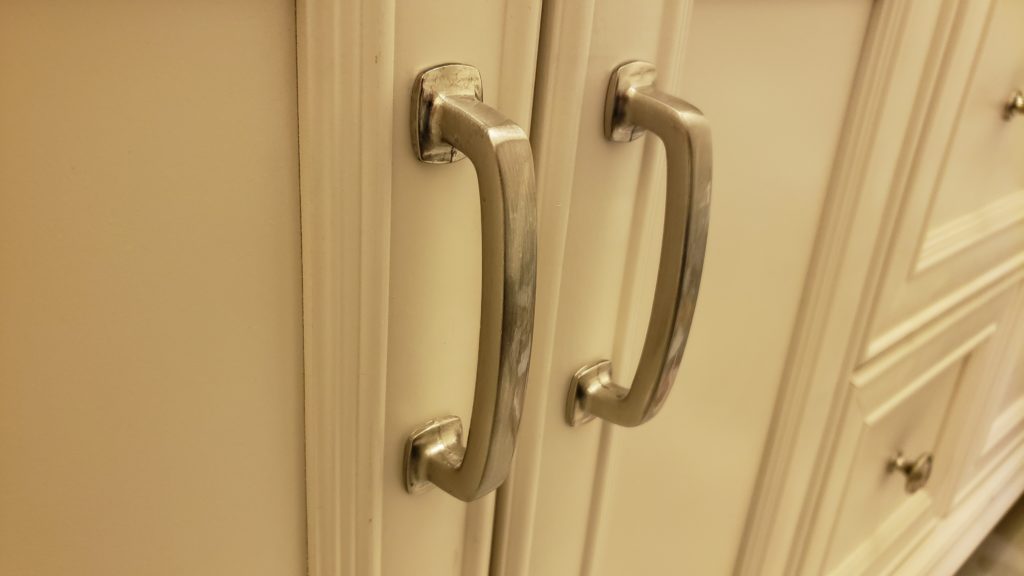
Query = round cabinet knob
x=1014 y=105
x=917 y=471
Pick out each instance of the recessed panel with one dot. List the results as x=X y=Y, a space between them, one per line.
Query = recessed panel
x=983 y=167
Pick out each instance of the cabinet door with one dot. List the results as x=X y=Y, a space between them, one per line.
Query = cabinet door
x=434 y=302
x=772 y=79
x=151 y=417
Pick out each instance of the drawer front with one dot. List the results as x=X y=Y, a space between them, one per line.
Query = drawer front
x=914 y=400
x=962 y=226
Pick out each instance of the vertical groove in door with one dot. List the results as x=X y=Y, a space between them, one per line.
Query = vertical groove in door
x=596 y=497
x=631 y=324
x=476 y=553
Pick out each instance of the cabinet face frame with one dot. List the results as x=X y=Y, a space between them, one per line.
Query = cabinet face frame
x=898 y=66
x=895 y=113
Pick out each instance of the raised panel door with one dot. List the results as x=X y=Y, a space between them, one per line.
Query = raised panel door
x=670 y=496
x=434 y=300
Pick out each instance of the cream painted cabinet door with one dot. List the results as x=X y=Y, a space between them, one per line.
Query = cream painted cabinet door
x=151 y=391
x=670 y=496
x=434 y=299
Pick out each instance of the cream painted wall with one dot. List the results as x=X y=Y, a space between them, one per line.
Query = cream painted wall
x=150 y=290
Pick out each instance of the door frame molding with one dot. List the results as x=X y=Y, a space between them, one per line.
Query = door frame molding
x=345 y=89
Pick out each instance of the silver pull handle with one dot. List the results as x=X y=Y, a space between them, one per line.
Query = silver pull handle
x=632 y=106
x=917 y=471
x=1014 y=105
x=449 y=119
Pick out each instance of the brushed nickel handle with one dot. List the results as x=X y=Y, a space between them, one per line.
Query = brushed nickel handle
x=449 y=119
x=1014 y=105
x=632 y=106
x=917 y=471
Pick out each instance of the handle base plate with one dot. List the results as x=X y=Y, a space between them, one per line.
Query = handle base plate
x=1014 y=105
x=438 y=439
x=587 y=381
x=431 y=86
x=618 y=127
